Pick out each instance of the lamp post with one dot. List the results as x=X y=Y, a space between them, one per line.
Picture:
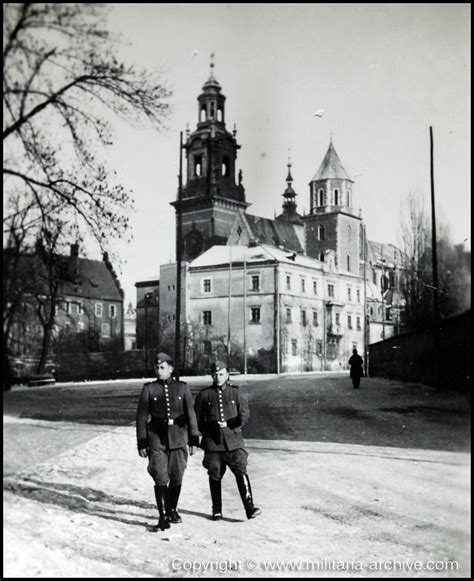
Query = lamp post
x=147 y=298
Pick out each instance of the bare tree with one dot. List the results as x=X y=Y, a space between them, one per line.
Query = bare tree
x=62 y=87
x=453 y=271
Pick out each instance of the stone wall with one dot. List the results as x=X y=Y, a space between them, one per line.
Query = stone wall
x=415 y=356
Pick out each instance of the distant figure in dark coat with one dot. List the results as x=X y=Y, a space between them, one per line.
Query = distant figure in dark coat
x=356 y=362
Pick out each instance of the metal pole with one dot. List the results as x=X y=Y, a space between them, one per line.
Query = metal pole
x=366 y=329
x=245 y=311
x=146 y=331
x=229 y=304
x=277 y=326
x=179 y=234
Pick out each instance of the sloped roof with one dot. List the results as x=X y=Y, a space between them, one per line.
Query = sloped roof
x=82 y=277
x=331 y=167
x=274 y=232
x=389 y=254
x=220 y=256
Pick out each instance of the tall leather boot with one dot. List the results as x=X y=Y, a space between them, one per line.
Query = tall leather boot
x=243 y=484
x=160 y=496
x=174 y=490
x=216 y=497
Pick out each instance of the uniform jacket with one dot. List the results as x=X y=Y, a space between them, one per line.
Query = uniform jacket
x=356 y=361
x=235 y=411
x=153 y=430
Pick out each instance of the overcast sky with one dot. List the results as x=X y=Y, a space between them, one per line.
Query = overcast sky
x=382 y=73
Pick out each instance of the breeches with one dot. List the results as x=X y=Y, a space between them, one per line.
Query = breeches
x=217 y=462
x=167 y=465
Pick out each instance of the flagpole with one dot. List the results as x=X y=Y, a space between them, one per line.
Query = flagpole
x=228 y=307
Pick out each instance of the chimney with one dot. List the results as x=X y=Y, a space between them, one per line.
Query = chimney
x=74 y=250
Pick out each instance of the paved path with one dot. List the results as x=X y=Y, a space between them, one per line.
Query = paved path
x=328 y=509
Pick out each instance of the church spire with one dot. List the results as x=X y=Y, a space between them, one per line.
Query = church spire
x=289 y=213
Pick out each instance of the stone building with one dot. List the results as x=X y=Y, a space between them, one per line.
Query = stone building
x=88 y=304
x=332 y=270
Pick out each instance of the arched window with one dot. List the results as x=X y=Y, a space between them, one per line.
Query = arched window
x=197 y=165
x=225 y=167
x=336 y=197
x=202 y=115
x=320 y=232
x=220 y=115
x=321 y=197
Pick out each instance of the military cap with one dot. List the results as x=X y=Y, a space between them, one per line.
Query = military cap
x=164 y=357
x=217 y=366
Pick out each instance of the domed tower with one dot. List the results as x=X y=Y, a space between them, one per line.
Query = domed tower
x=289 y=213
x=332 y=223
x=211 y=198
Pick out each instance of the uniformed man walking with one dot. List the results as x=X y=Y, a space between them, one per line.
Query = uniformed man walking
x=166 y=424
x=221 y=412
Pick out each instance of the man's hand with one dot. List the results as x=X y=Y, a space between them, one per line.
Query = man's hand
x=222 y=424
x=142 y=453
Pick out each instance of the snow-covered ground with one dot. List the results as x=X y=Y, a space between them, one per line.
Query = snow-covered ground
x=84 y=509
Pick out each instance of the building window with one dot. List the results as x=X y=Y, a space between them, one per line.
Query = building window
x=255 y=315
x=105 y=330
x=358 y=323
x=321 y=197
x=336 y=197
x=207 y=317
x=330 y=290
x=319 y=347
x=338 y=319
x=255 y=282
x=67 y=307
x=315 y=287
x=321 y=256
x=349 y=322
x=315 y=319
x=288 y=282
x=358 y=295
x=112 y=311
x=197 y=165
x=288 y=314
x=348 y=262
x=294 y=347
x=225 y=167
x=303 y=285
x=303 y=317
x=206 y=285
x=80 y=308
x=320 y=232
x=349 y=293
x=98 y=309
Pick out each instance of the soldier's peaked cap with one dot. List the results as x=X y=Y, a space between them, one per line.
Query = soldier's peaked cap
x=164 y=357
x=217 y=366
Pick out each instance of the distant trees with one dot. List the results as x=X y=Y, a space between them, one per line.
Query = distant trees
x=62 y=86
x=454 y=272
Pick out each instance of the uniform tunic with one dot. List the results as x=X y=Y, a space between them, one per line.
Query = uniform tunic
x=161 y=401
x=223 y=446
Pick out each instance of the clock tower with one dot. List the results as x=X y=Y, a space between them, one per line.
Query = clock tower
x=211 y=196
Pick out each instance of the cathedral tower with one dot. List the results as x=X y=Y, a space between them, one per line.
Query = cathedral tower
x=211 y=198
x=332 y=223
